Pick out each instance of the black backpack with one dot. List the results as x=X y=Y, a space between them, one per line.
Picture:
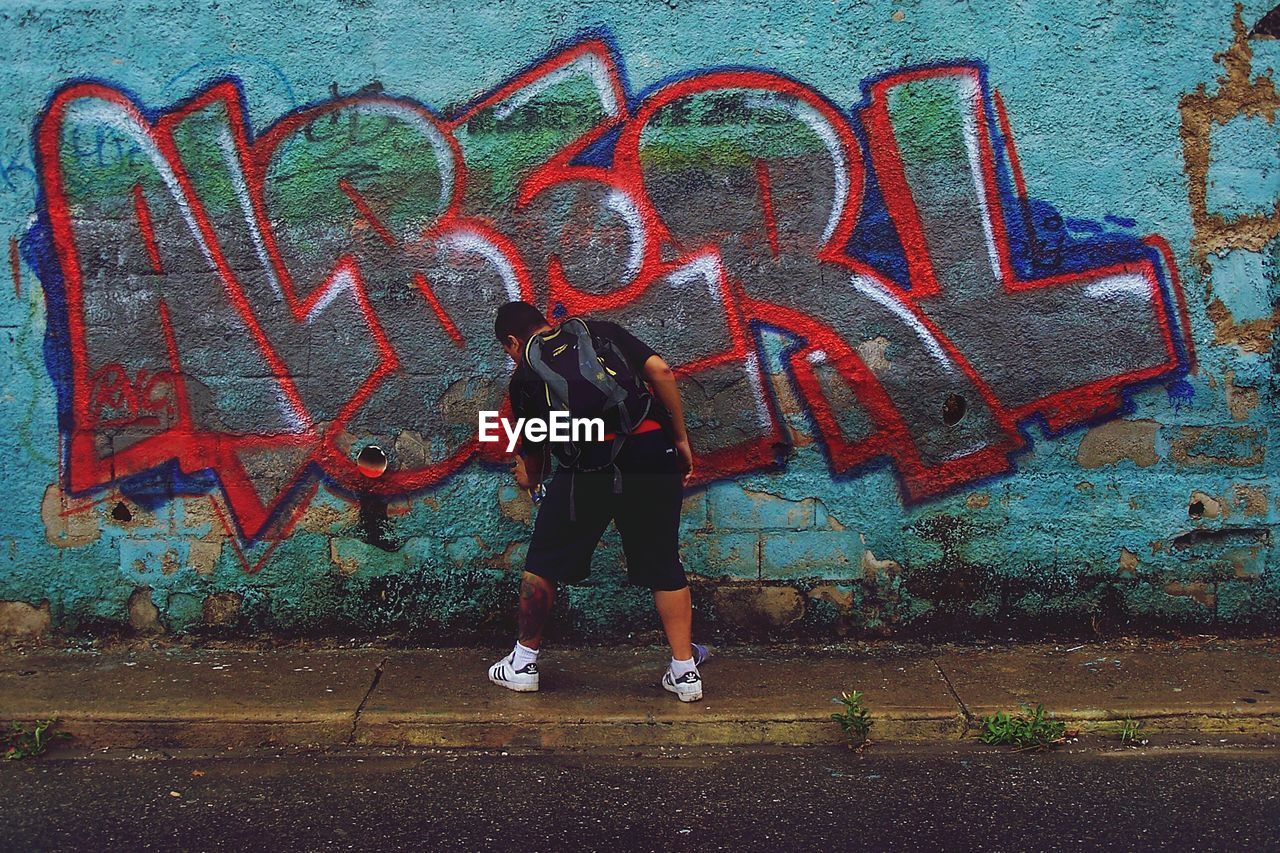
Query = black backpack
x=587 y=376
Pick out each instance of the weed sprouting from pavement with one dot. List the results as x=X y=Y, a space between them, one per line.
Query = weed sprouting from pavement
x=854 y=719
x=1030 y=730
x=1129 y=731
x=21 y=741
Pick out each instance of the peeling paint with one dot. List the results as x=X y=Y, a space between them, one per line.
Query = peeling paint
x=1252 y=499
x=203 y=556
x=1238 y=93
x=1202 y=593
x=1117 y=441
x=841 y=597
x=1206 y=506
x=1241 y=399
x=222 y=609
x=144 y=616
x=1209 y=447
x=21 y=619
x=515 y=504
x=63 y=526
x=873 y=568
x=753 y=608
x=346 y=565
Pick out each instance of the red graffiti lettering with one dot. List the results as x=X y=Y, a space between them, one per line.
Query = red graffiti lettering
x=263 y=306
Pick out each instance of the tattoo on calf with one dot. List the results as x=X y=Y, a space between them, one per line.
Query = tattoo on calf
x=535 y=604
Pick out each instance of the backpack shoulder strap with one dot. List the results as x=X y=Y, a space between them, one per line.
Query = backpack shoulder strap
x=589 y=363
x=557 y=385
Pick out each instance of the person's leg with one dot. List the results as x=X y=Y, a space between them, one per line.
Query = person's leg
x=561 y=547
x=675 y=609
x=537 y=594
x=519 y=669
x=560 y=551
x=650 y=529
x=649 y=520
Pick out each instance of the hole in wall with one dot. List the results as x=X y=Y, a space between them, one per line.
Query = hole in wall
x=120 y=512
x=372 y=461
x=954 y=409
x=1196 y=509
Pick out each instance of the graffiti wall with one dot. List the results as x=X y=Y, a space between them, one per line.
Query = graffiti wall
x=968 y=344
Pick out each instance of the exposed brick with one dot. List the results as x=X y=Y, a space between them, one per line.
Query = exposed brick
x=1241 y=399
x=838 y=594
x=1202 y=505
x=322 y=515
x=203 y=555
x=1252 y=499
x=977 y=500
x=753 y=607
x=144 y=616
x=119 y=512
x=1214 y=446
x=873 y=568
x=1119 y=440
x=1200 y=591
x=20 y=619
x=198 y=518
x=222 y=609
x=66 y=531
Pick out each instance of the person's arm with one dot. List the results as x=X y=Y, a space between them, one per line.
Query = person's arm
x=529 y=467
x=663 y=382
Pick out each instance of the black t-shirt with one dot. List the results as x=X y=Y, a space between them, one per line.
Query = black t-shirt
x=528 y=393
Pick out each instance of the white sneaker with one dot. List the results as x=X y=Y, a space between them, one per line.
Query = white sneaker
x=523 y=680
x=688 y=687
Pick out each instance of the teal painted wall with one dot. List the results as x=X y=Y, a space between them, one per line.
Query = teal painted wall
x=1150 y=506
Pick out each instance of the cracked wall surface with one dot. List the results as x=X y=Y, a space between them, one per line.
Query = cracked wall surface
x=973 y=310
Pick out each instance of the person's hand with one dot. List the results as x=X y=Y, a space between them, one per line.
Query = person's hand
x=686 y=458
x=521 y=474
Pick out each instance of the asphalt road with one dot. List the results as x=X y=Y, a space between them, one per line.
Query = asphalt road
x=964 y=797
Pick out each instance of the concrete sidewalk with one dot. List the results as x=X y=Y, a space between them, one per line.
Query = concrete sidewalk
x=136 y=695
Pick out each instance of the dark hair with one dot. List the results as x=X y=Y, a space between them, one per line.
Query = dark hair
x=519 y=320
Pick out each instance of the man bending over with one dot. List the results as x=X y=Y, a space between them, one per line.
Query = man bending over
x=635 y=478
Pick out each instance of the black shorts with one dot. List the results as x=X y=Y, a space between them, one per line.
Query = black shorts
x=647 y=514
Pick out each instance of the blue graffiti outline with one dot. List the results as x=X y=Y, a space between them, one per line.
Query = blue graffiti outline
x=1077 y=255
